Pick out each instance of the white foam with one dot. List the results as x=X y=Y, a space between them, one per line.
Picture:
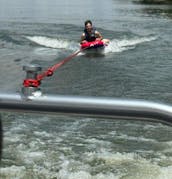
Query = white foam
x=10 y=140
x=166 y=173
x=98 y=142
x=54 y=43
x=112 y=158
x=130 y=166
x=43 y=158
x=126 y=44
x=71 y=169
x=35 y=155
x=133 y=138
x=86 y=175
x=31 y=157
x=42 y=134
x=13 y=172
x=115 y=45
x=134 y=166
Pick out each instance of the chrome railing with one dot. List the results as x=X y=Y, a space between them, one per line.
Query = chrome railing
x=90 y=106
x=32 y=100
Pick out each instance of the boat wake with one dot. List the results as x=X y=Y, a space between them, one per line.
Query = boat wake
x=126 y=44
x=115 y=46
x=54 y=43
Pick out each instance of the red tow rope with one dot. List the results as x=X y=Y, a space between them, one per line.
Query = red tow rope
x=31 y=83
x=49 y=72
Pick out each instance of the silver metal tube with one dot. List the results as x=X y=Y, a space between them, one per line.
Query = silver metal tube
x=31 y=73
x=31 y=70
x=91 y=106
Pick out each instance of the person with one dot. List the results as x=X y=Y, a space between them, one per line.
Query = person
x=91 y=34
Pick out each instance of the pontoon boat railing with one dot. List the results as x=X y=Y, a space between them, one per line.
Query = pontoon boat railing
x=90 y=106
x=32 y=100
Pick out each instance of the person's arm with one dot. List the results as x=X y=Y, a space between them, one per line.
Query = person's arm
x=98 y=35
x=83 y=38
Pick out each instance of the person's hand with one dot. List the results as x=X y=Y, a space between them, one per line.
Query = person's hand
x=98 y=39
x=84 y=41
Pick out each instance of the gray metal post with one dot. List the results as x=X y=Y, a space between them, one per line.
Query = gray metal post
x=31 y=73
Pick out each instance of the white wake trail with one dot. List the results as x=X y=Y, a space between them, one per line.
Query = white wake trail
x=126 y=44
x=54 y=43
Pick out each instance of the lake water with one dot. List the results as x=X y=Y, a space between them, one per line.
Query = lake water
x=136 y=65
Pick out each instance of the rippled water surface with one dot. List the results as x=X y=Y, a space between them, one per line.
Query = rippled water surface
x=136 y=64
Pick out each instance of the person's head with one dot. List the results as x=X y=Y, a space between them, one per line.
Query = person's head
x=88 y=25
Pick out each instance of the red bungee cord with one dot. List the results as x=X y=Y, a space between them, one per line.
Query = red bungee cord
x=49 y=72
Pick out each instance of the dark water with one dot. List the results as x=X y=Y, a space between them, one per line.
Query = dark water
x=136 y=64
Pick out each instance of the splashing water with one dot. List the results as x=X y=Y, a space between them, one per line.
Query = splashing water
x=126 y=44
x=114 y=46
x=54 y=43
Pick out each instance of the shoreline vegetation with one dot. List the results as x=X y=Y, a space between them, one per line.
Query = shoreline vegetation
x=154 y=1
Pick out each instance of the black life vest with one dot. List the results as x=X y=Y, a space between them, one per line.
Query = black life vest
x=90 y=36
